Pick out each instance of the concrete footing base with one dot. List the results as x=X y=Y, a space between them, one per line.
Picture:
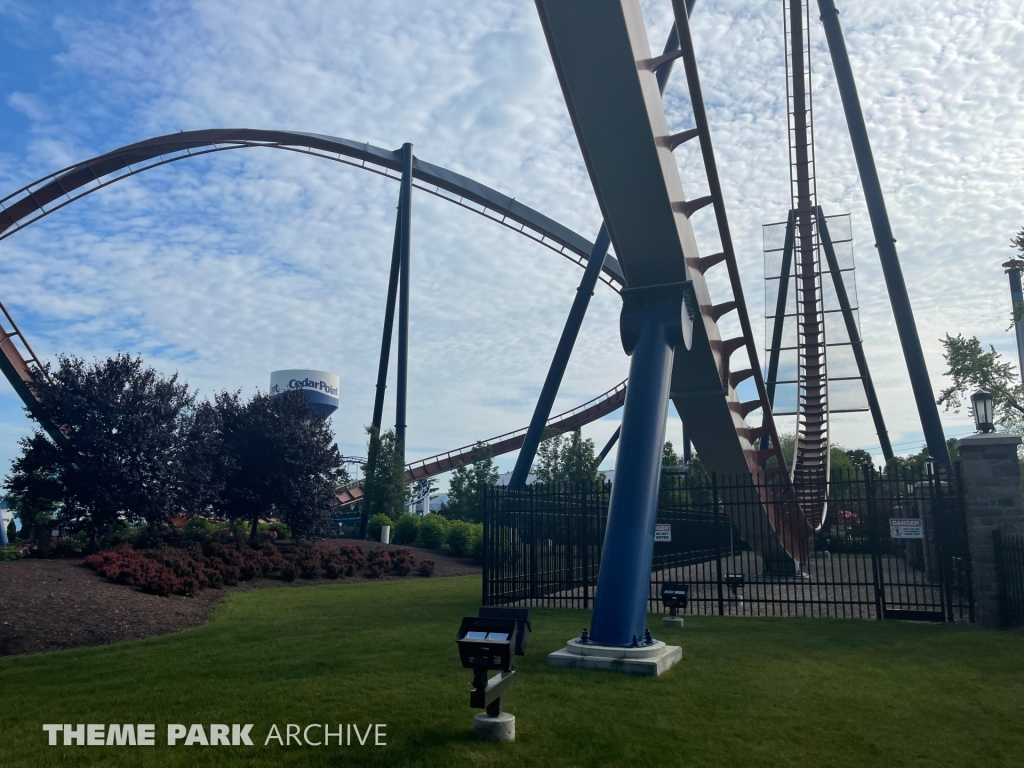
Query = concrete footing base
x=649 y=660
x=672 y=621
x=500 y=728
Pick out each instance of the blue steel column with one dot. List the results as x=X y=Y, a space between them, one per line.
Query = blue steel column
x=404 y=237
x=774 y=352
x=389 y=322
x=884 y=240
x=1013 y=268
x=542 y=411
x=546 y=401
x=651 y=328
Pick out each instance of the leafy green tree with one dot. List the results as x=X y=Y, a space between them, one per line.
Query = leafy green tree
x=859 y=457
x=467 y=486
x=280 y=461
x=971 y=367
x=669 y=458
x=579 y=460
x=566 y=459
x=139 y=447
x=384 y=488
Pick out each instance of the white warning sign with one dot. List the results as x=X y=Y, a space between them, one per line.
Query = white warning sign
x=663 y=532
x=905 y=528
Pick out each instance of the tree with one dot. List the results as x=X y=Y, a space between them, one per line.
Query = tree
x=384 y=487
x=970 y=367
x=579 y=460
x=138 y=447
x=566 y=459
x=467 y=487
x=280 y=461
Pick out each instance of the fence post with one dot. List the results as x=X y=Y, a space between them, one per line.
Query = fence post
x=488 y=503
x=718 y=540
x=993 y=502
x=876 y=560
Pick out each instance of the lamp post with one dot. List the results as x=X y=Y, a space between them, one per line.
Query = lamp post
x=982 y=405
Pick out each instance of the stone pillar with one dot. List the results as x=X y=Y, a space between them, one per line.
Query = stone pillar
x=993 y=501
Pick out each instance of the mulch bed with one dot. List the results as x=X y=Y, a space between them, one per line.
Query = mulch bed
x=46 y=605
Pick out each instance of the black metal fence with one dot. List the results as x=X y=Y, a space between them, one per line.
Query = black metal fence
x=1009 y=552
x=543 y=548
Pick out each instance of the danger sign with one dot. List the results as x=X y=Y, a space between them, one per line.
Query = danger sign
x=908 y=528
x=663 y=532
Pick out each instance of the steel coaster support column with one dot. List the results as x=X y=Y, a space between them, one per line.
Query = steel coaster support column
x=855 y=340
x=608 y=446
x=1017 y=299
x=687 y=447
x=542 y=411
x=652 y=324
x=389 y=322
x=780 y=316
x=884 y=240
x=404 y=240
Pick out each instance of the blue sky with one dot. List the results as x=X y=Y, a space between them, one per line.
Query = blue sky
x=227 y=267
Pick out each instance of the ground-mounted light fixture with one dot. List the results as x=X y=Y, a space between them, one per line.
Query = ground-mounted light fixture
x=984 y=411
x=674 y=595
x=490 y=642
x=735 y=581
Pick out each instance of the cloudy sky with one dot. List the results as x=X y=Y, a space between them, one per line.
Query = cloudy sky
x=226 y=267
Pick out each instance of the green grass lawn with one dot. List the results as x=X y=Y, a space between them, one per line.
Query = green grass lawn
x=757 y=692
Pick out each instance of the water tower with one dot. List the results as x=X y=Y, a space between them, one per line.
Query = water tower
x=320 y=387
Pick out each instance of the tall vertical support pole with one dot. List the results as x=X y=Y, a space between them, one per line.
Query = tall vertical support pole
x=775 y=351
x=542 y=411
x=653 y=322
x=573 y=323
x=1013 y=270
x=405 y=236
x=856 y=343
x=884 y=240
x=687 y=448
x=389 y=322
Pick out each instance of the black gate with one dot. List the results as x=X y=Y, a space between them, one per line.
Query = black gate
x=543 y=548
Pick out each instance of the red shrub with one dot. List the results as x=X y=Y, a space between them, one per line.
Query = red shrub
x=426 y=567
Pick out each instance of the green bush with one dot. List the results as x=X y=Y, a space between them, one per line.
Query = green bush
x=464 y=538
x=406 y=530
x=12 y=531
x=199 y=526
x=374 y=524
x=276 y=530
x=433 y=531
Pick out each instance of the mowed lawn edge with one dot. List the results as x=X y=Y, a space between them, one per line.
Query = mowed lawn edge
x=766 y=692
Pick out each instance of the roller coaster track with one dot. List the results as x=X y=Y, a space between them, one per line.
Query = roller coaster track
x=421 y=469
x=704 y=387
x=49 y=194
x=602 y=57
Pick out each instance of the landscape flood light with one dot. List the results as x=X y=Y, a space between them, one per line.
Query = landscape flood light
x=489 y=642
x=674 y=595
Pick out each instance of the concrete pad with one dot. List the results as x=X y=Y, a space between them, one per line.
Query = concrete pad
x=672 y=621
x=648 y=660
x=500 y=728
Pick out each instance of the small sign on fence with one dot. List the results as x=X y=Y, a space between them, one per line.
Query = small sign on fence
x=663 y=532
x=908 y=528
